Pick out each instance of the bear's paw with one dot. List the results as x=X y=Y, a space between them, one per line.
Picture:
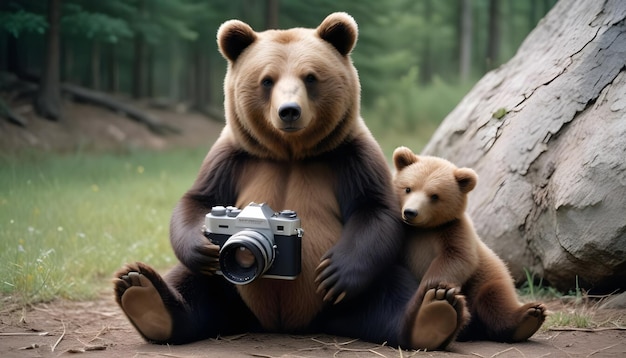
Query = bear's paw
x=533 y=315
x=138 y=291
x=442 y=313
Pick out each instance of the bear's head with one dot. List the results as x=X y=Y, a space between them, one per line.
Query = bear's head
x=432 y=191
x=291 y=94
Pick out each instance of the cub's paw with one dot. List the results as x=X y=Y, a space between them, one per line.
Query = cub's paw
x=140 y=292
x=532 y=317
x=441 y=315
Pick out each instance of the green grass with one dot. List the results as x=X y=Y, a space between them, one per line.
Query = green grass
x=577 y=309
x=579 y=318
x=534 y=289
x=68 y=222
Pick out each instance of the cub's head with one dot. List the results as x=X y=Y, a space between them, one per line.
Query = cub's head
x=432 y=190
x=291 y=93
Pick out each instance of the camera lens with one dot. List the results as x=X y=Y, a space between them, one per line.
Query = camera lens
x=245 y=256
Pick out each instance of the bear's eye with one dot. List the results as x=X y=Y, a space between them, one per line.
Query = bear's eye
x=407 y=190
x=310 y=79
x=434 y=197
x=267 y=82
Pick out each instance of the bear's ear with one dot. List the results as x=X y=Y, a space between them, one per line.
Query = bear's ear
x=467 y=179
x=233 y=37
x=403 y=157
x=340 y=30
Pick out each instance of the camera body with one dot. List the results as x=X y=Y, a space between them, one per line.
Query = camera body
x=255 y=242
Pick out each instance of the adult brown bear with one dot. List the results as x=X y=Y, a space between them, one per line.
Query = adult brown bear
x=293 y=139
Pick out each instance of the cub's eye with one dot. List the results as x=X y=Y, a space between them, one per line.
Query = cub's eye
x=434 y=197
x=267 y=82
x=407 y=190
x=310 y=79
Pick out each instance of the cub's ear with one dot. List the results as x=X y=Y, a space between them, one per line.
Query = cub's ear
x=233 y=37
x=340 y=30
x=467 y=179
x=403 y=157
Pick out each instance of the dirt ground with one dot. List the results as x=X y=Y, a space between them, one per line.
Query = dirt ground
x=99 y=329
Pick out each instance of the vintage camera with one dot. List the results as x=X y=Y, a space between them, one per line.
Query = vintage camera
x=255 y=242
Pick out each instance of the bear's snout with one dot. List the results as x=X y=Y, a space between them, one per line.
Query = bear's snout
x=409 y=214
x=289 y=112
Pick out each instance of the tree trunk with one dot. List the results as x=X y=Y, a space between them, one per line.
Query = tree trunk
x=426 y=68
x=48 y=99
x=546 y=133
x=271 y=14
x=139 y=46
x=138 y=67
x=493 y=35
x=112 y=69
x=465 y=40
x=95 y=65
x=150 y=90
x=13 y=58
x=175 y=64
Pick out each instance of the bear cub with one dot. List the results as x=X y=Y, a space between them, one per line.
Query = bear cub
x=443 y=246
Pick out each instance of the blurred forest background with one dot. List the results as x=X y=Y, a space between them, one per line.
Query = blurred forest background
x=60 y=212
x=416 y=58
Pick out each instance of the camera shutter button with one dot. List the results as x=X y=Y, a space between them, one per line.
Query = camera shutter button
x=289 y=214
x=218 y=211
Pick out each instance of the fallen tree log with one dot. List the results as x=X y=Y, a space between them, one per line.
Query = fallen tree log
x=10 y=116
x=101 y=99
x=27 y=85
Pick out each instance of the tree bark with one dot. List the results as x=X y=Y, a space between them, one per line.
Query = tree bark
x=112 y=69
x=426 y=64
x=138 y=67
x=48 y=99
x=271 y=14
x=139 y=46
x=465 y=40
x=95 y=65
x=546 y=133
x=493 y=34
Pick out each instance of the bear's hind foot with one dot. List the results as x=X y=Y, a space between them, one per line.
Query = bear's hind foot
x=137 y=291
x=533 y=315
x=442 y=314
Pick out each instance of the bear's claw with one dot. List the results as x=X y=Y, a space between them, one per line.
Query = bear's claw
x=327 y=279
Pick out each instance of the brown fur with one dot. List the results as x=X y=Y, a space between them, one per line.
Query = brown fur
x=317 y=158
x=442 y=246
x=287 y=58
x=330 y=116
x=303 y=184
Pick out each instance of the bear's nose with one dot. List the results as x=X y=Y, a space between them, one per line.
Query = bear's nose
x=289 y=112
x=409 y=214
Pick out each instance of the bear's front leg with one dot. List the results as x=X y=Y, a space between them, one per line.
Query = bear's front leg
x=181 y=308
